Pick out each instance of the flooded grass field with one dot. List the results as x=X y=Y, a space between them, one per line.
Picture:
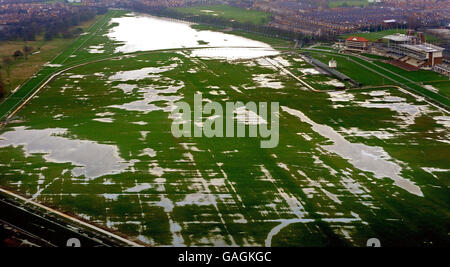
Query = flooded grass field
x=350 y=165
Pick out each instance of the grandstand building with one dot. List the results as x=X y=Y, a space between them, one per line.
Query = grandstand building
x=412 y=50
x=355 y=43
x=442 y=69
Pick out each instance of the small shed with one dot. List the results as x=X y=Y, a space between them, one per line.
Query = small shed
x=332 y=63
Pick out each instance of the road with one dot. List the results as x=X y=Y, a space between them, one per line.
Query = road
x=43 y=226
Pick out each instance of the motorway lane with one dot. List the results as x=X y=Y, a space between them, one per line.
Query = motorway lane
x=48 y=229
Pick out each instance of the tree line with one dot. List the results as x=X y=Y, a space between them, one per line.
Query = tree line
x=50 y=27
x=2 y=87
x=7 y=62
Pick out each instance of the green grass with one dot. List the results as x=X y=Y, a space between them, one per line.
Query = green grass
x=349 y=68
x=352 y=3
x=228 y=12
x=86 y=197
x=324 y=47
x=43 y=51
x=14 y=100
x=203 y=27
x=371 y=73
x=443 y=86
x=417 y=76
x=229 y=191
x=375 y=56
x=422 y=77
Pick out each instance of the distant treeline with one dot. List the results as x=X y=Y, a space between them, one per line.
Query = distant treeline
x=2 y=89
x=223 y=22
x=51 y=27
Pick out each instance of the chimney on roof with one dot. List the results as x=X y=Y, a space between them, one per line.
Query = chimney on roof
x=421 y=37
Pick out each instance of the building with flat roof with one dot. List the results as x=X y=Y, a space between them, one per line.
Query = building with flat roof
x=431 y=54
x=398 y=38
x=413 y=50
x=442 y=69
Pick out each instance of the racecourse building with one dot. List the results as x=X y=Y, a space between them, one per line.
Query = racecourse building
x=355 y=43
x=413 y=50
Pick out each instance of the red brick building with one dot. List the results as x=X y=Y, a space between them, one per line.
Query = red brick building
x=355 y=43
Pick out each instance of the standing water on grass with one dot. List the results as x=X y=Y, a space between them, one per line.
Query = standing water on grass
x=156 y=33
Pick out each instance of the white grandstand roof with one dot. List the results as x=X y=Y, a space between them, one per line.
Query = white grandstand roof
x=424 y=48
x=397 y=37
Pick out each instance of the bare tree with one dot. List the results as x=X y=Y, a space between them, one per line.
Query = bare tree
x=17 y=54
x=27 y=51
x=7 y=62
x=2 y=86
x=2 y=89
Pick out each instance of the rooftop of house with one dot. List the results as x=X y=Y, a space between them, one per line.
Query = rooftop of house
x=357 y=39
